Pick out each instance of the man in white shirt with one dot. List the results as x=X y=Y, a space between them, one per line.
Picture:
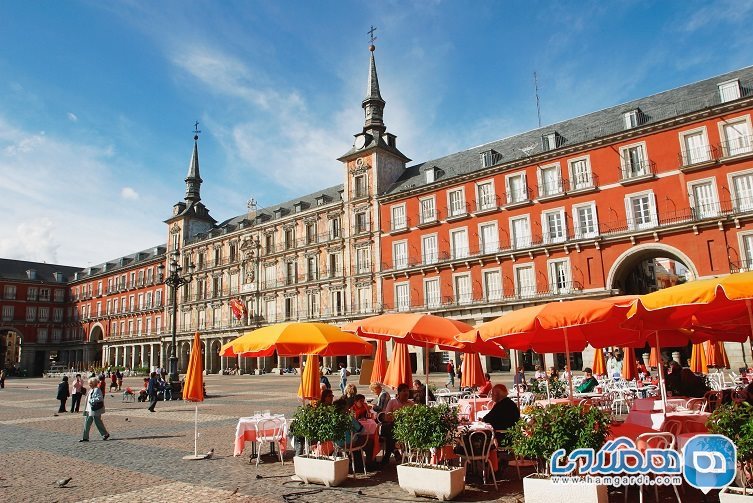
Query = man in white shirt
x=343 y=378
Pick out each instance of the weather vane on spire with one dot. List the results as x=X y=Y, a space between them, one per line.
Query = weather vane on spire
x=371 y=37
x=196 y=131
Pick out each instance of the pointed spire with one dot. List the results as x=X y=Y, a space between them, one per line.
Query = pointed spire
x=193 y=178
x=373 y=104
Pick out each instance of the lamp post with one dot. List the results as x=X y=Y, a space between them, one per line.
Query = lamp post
x=174 y=280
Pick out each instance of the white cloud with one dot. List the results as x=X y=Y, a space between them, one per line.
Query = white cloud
x=72 y=117
x=32 y=240
x=129 y=193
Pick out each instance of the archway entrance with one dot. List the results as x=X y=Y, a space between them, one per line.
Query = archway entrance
x=10 y=350
x=214 y=358
x=646 y=269
x=94 y=352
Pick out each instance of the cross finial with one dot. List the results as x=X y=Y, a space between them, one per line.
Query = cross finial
x=371 y=37
x=196 y=130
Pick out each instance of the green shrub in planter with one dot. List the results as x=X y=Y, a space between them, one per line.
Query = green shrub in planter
x=547 y=429
x=320 y=423
x=422 y=428
x=557 y=389
x=735 y=421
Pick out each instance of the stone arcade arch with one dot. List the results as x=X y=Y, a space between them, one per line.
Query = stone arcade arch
x=632 y=257
x=93 y=348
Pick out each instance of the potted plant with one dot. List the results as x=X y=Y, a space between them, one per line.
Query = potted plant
x=323 y=425
x=545 y=430
x=735 y=421
x=423 y=430
x=557 y=389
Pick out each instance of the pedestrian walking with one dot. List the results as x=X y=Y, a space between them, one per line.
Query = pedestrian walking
x=119 y=377
x=151 y=390
x=3 y=373
x=63 y=393
x=95 y=407
x=343 y=378
x=451 y=375
x=77 y=388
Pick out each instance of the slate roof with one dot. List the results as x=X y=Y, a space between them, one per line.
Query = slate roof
x=16 y=270
x=665 y=105
x=123 y=262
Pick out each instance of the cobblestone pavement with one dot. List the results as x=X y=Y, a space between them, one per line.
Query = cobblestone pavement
x=142 y=459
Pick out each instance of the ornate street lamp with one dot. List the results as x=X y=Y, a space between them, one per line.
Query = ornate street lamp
x=174 y=280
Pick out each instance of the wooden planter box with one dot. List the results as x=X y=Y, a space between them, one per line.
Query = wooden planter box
x=540 y=489
x=321 y=470
x=438 y=482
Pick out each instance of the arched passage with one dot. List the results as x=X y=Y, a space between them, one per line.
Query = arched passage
x=214 y=357
x=93 y=353
x=11 y=344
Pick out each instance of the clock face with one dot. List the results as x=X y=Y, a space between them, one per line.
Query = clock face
x=360 y=141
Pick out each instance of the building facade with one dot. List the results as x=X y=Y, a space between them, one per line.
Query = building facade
x=624 y=200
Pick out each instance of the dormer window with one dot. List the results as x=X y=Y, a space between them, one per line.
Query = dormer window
x=320 y=201
x=551 y=141
x=729 y=91
x=298 y=207
x=633 y=118
x=431 y=174
x=490 y=158
x=278 y=213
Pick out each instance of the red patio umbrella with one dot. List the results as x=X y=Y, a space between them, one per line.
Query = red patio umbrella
x=399 y=370
x=599 y=366
x=473 y=373
x=310 y=387
x=629 y=365
x=193 y=390
x=379 y=370
x=716 y=356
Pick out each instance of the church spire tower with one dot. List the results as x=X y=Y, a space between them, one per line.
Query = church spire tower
x=373 y=104
x=193 y=178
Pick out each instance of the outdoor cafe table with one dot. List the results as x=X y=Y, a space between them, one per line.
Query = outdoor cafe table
x=471 y=407
x=246 y=431
x=649 y=404
x=448 y=452
x=655 y=420
x=371 y=429
x=631 y=431
x=591 y=394
x=446 y=396
x=554 y=401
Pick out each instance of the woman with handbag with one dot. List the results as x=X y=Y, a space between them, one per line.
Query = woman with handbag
x=95 y=407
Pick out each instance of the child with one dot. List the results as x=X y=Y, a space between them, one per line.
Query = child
x=359 y=408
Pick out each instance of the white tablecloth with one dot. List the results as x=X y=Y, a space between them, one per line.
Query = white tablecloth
x=655 y=403
x=246 y=430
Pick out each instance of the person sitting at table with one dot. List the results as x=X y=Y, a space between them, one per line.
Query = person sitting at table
x=749 y=391
x=519 y=379
x=355 y=433
x=419 y=393
x=692 y=385
x=327 y=398
x=401 y=400
x=673 y=379
x=505 y=412
x=359 y=408
x=487 y=387
x=641 y=367
x=349 y=395
x=540 y=375
x=553 y=375
x=382 y=397
x=324 y=380
x=589 y=383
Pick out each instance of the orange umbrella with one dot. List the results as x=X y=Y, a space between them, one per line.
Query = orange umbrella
x=599 y=367
x=473 y=374
x=629 y=365
x=379 y=370
x=193 y=390
x=415 y=329
x=399 y=370
x=697 y=361
x=310 y=389
x=716 y=356
x=653 y=357
x=295 y=339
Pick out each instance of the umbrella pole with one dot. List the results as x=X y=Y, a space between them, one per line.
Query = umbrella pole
x=196 y=431
x=662 y=387
x=303 y=392
x=750 y=319
x=426 y=369
x=567 y=366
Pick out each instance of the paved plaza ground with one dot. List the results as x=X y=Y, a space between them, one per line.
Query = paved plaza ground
x=142 y=459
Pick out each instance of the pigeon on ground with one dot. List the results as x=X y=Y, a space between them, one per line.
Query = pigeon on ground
x=55 y=415
x=234 y=492
x=210 y=453
x=126 y=419
x=62 y=482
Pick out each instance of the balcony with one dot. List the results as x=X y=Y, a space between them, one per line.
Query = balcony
x=698 y=158
x=458 y=211
x=486 y=204
x=428 y=218
x=400 y=225
x=637 y=171
x=515 y=198
x=362 y=228
x=584 y=182
x=552 y=189
x=740 y=146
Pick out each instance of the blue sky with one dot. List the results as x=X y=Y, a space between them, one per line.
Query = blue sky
x=98 y=99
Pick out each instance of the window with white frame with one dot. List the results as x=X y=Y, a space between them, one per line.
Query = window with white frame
x=312 y=304
x=139 y=325
x=737 y=138
x=456 y=200
x=580 y=174
x=550 y=181
x=364 y=299
x=31 y=313
x=459 y=243
x=746 y=251
x=488 y=238
x=270 y=274
x=41 y=335
x=360 y=186
x=585 y=220
x=517 y=190
x=429 y=249
x=337 y=302
x=729 y=91
x=7 y=313
x=363 y=260
x=148 y=326
x=270 y=308
x=402 y=296
x=695 y=147
x=559 y=276
x=428 y=210
x=334 y=226
x=553 y=225
x=703 y=198
x=632 y=118
x=59 y=295
x=57 y=313
x=432 y=295
x=641 y=210
x=492 y=285
x=114 y=328
x=400 y=254
x=130 y=328
x=520 y=228
x=311 y=267
x=158 y=324
x=31 y=293
x=525 y=281
x=44 y=313
x=463 y=294
x=9 y=292
x=362 y=223
x=485 y=199
x=742 y=186
x=398 y=217
x=634 y=161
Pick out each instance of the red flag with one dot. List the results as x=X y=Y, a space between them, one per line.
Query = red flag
x=238 y=308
